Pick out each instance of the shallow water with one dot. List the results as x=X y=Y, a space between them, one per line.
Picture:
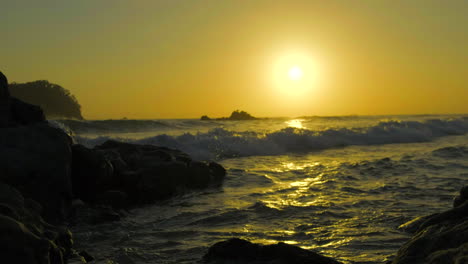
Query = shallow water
x=344 y=202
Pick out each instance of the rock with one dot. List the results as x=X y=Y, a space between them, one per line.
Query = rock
x=4 y=101
x=36 y=160
x=147 y=173
x=463 y=197
x=237 y=250
x=25 y=114
x=236 y=115
x=440 y=238
x=414 y=225
x=87 y=257
x=27 y=238
x=91 y=172
x=241 y=115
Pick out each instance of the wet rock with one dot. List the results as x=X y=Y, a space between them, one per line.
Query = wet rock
x=463 y=197
x=237 y=250
x=414 y=224
x=161 y=180
x=87 y=257
x=26 y=237
x=145 y=173
x=440 y=238
x=91 y=172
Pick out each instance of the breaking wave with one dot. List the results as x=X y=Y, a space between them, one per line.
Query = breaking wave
x=219 y=143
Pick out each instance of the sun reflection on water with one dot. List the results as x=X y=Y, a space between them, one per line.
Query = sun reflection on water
x=296 y=123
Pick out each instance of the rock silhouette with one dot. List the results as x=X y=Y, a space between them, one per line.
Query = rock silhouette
x=237 y=250
x=55 y=101
x=439 y=238
x=43 y=176
x=235 y=115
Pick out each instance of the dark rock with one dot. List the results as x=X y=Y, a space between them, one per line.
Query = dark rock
x=91 y=172
x=463 y=197
x=161 y=180
x=116 y=160
x=26 y=237
x=25 y=114
x=200 y=174
x=237 y=250
x=241 y=115
x=147 y=173
x=235 y=116
x=4 y=101
x=413 y=225
x=36 y=160
x=218 y=173
x=440 y=238
x=87 y=257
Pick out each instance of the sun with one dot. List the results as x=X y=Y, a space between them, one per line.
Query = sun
x=295 y=73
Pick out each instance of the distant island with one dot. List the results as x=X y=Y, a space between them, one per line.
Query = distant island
x=235 y=115
x=56 y=101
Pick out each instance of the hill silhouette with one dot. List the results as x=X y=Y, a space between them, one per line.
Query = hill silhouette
x=56 y=101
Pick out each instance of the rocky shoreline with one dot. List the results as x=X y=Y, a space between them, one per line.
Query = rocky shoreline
x=47 y=183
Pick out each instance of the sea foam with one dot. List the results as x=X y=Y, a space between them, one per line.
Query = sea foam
x=219 y=143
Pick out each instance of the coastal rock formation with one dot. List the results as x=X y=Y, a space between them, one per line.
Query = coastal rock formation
x=42 y=173
x=139 y=173
x=440 y=238
x=36 y=160
x=235 y=116
x=22 y=113
x=237 y=250
x=25 y=237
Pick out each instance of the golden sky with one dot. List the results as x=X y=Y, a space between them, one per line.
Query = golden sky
x=183 y=59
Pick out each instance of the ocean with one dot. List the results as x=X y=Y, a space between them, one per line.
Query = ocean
x=338 y=185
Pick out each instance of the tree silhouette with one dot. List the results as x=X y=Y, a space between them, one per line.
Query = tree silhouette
x=54 y=100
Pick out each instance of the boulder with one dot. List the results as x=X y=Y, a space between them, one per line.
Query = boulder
x=91 y=172
x=4 y=101
x=237 y=250
x=36 y=160
x=26 y=237
x=22 y=113
x=440 y=238
x=131 y=174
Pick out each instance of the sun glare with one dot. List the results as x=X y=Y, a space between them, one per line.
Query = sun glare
x=295 y=73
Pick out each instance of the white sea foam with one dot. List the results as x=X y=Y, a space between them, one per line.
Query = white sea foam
x=221 y=143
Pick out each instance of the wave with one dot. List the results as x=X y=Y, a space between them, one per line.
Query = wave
x=113 y=126
x=219 y=143
x=116 y=126
x=451 y=152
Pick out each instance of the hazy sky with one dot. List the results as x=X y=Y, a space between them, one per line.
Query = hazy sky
x=175 y=59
